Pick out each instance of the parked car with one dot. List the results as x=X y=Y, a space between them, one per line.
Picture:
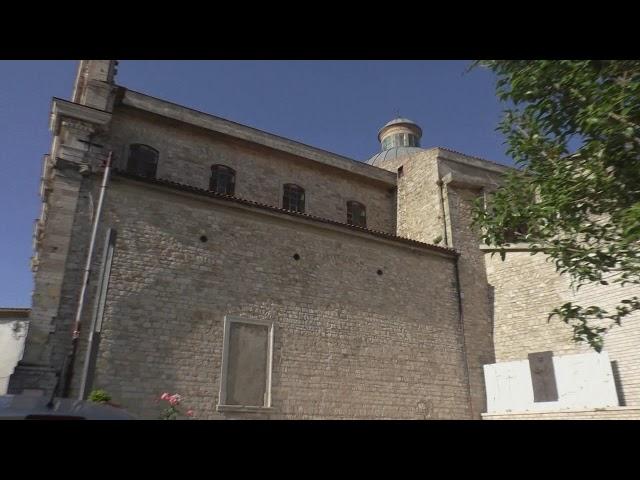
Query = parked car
x=25 y=407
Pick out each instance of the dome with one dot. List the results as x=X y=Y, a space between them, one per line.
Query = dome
x=392 y=154
x=401 y=121
x=398 y=138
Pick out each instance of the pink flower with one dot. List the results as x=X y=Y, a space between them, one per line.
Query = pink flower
x=189 y=413
x=165 y=396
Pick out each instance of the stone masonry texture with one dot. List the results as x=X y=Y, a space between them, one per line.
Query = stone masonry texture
x=349 y=343
x=187 y=154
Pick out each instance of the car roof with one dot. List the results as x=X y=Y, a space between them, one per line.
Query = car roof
x=37 y=408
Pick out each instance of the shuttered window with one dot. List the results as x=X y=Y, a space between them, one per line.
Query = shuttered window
x=356 y=214
x=293 y=198
x=143 y=160
x=223 y=180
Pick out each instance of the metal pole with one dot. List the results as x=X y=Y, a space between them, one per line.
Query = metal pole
x=85 y=281
x=98 y=311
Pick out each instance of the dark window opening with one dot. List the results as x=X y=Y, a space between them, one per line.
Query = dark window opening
x=143 y=160
x=356 y=214
x=516 y=235
x=223 y=180
x=293 y=198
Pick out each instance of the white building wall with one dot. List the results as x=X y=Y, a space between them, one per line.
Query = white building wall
x=12 y=336
x=583 y=380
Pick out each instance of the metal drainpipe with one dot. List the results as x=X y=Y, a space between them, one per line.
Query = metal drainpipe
x=87 y=271
x=95 y=330
x=462 y=332
x=444 y=219
x=460 y=298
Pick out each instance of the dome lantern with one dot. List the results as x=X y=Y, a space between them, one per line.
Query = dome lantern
x=400 y=132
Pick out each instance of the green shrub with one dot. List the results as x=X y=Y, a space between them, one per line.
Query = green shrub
x=99 y=396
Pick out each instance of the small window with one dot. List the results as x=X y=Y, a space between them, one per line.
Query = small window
x=356 y=214
x=246 y=363
x=143 y=160
x=516 y=235
x=223 y=180
x=293 y=198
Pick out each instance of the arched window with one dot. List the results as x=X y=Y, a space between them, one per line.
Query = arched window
x=143 y=160
x=356 y=214
x=223 y=180
x=293 y=198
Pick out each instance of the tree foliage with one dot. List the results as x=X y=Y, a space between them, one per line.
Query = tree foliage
x=573 y=129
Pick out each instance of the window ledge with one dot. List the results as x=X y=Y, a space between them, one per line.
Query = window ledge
x=243 y=408
x=516 y=247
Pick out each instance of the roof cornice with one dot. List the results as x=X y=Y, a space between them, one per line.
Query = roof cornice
x=304 y=217
x=64 y=108
x=452 y=155
x=179 y=113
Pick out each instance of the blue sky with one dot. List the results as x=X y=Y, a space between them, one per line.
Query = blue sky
x=334 y=105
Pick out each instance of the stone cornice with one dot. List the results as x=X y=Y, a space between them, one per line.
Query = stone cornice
x=457 y=157
x=173 y=111
x=517 y=247
x=64 y=109
x=15 y=312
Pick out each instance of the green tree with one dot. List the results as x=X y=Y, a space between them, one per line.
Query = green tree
x=573 y=129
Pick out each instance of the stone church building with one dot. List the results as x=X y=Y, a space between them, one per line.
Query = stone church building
x=263 y=278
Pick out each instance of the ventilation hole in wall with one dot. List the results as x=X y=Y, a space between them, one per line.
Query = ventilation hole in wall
x=203 y=238
x=379 y=272
x=296 y=256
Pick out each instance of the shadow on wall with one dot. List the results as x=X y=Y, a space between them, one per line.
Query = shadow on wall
x=616 y=379
x=491 y=292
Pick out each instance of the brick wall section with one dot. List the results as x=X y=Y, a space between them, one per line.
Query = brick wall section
x=622 y=342
x=35 y=370
x=619 y=413
x=527 y=288
x=74 y=273
x=423 y=212
x=348 y=343
x=475 y=291
x=419 y=209
x=187 y=153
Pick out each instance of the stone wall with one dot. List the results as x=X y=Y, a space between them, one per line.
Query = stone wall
x=419 y=210
x=348 y=342
x=527 y=288
x=187 y=153
x=36 y=370
x=434 y=212
x=478 y=327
